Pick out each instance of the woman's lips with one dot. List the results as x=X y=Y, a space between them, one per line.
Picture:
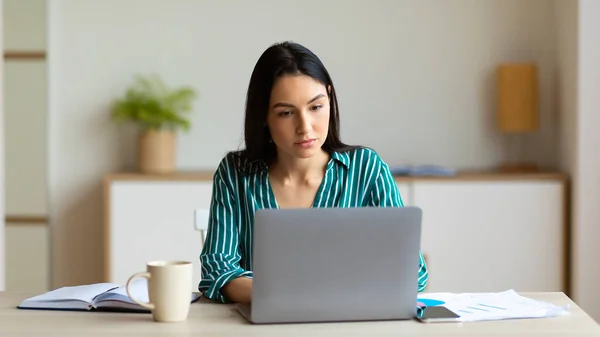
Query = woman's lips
x=306 y=143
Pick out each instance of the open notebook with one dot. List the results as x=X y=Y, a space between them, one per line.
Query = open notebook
x=97 y=297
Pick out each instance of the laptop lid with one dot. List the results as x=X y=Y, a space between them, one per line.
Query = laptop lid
x=335 y=264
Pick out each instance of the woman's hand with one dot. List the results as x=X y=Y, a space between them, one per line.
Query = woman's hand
x=238 y=290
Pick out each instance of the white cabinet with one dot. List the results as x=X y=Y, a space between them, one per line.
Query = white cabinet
x=493 y=235
x=153 y=220
x=478 y=235
x=405 y=190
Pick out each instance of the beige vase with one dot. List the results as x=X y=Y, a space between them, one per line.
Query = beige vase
x=156 y=152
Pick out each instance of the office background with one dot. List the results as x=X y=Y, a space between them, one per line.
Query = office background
x=415 y=81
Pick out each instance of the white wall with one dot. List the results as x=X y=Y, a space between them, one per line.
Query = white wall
x=415 y=81
x=567 y=36
x=567 y=31
x=577 y=27
x=587 y=177
x=2 y=276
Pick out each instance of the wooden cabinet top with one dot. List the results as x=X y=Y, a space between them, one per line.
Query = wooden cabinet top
x=460 y=176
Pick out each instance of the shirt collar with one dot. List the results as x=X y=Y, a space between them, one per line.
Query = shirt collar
x=343 y=158
x=339 y=157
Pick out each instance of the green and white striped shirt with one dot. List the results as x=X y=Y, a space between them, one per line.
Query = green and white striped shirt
x=357 y=178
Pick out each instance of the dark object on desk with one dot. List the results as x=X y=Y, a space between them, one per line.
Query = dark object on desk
x=437 y=314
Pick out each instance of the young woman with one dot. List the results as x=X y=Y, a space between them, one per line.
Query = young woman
x=293 y=158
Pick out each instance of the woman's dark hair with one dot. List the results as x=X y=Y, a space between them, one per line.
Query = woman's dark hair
x=286 y=58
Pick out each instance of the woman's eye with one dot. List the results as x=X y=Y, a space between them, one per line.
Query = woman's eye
x=316 y=107
x=285 y=113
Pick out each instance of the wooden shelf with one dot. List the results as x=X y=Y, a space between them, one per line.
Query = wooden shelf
x=25 y=220
x=24 y=55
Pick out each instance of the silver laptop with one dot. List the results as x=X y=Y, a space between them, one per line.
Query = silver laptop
x=334 y=264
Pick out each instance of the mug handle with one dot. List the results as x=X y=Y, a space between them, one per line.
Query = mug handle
x=143 y=304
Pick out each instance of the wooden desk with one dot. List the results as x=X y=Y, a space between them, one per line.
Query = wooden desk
x=212 y=319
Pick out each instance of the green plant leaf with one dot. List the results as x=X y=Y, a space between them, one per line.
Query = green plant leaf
x=151 y=104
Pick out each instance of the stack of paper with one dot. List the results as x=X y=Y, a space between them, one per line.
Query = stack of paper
x=492 y=306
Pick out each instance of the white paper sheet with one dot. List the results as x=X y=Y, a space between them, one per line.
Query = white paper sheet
x=139 y=290
x=82 y=293
x=493 y=306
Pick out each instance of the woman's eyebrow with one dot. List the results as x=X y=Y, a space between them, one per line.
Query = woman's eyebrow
x=289 y=105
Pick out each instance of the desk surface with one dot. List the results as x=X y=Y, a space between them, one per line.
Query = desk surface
x=212 y=319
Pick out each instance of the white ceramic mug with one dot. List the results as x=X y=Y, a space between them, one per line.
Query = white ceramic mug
x=169 y=284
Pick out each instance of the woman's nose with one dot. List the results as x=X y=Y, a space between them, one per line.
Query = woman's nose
x=304 y=124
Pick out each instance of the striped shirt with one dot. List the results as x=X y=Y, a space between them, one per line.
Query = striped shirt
x=357 y=178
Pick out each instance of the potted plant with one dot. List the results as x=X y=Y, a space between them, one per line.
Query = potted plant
x=159 y=112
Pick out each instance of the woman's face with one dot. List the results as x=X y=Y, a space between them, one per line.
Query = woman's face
x=298 y=117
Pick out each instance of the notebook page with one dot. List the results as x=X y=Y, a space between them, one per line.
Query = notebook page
x=138 y=288
x=82 y=293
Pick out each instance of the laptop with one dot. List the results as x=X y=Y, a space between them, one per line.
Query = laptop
x=334 y=264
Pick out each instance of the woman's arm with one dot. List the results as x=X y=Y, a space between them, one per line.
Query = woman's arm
x=384 y=193
x=238 y=290
x=222 y=277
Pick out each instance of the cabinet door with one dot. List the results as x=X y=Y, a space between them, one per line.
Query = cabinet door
x=154 y=220
x=492 y=236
